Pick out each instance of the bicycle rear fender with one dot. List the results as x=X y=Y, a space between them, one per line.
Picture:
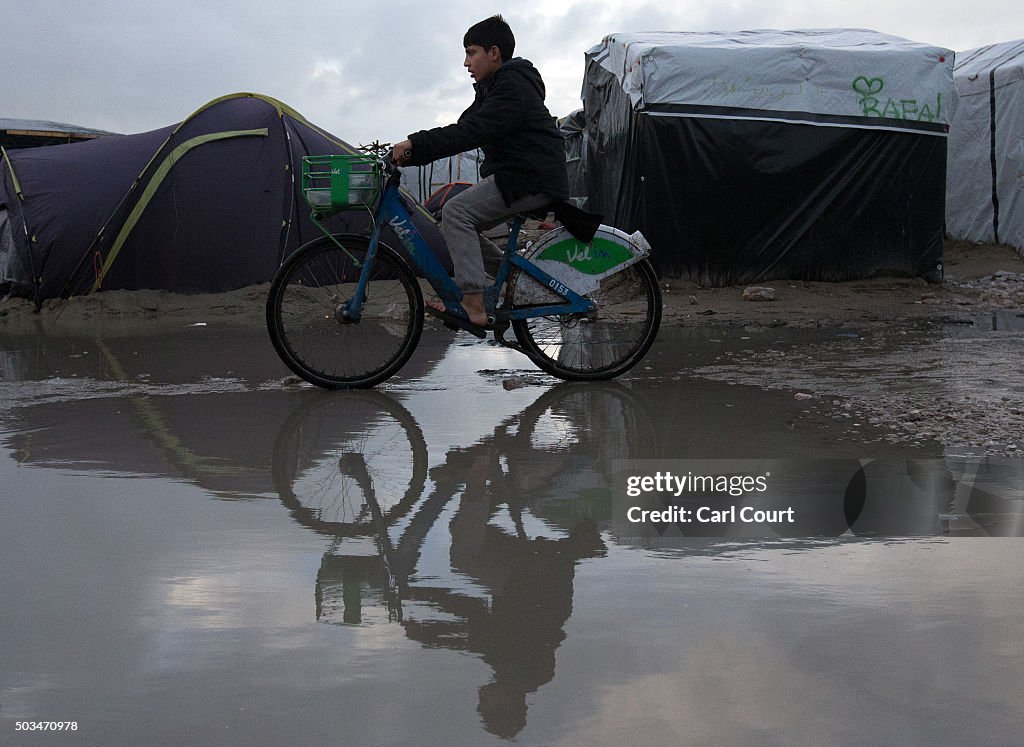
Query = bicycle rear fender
x=579 y=266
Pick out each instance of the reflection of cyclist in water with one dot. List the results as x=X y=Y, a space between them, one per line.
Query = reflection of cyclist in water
x=531 y=583
x=517 y=530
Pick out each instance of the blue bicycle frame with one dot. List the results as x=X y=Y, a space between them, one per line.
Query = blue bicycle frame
x=391 y=211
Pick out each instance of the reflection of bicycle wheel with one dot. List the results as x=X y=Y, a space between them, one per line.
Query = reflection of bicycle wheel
x=565 y=442
x=345 y=462
x=603 y=421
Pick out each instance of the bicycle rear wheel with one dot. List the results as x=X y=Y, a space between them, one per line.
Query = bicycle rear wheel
x=606 y=343
x=316 y=340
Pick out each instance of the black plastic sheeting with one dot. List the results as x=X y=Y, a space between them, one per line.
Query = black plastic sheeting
x=732 y=201
x=574 y=129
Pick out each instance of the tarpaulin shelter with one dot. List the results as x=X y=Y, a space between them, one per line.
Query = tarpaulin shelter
x=574 y=129
x=423 y=181
x=813 y=154
x=985 y=187
x=32 y=133
x=209 y=205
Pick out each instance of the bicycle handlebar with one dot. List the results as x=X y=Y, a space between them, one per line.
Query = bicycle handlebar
x=376 y=148
x=382 y=152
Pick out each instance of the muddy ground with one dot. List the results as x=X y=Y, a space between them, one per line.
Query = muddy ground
x=924 y=361
x=979 y=279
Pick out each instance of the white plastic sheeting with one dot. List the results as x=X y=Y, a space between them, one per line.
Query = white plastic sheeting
x=985 y=177
x=853 y=77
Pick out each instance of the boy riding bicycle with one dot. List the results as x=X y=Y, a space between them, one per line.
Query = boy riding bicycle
x=524 y=157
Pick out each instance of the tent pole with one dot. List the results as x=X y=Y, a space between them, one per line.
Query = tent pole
x=992 y=152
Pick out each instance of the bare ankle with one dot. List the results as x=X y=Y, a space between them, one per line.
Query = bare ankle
x=473 y=303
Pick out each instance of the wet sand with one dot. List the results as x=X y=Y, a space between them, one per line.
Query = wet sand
x=979 y=281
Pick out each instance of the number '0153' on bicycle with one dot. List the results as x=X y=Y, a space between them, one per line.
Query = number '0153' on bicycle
x=347 y=310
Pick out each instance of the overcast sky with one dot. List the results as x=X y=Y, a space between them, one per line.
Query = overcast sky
x=374 y=70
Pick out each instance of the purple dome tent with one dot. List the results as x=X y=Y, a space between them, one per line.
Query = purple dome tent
x=209 y=205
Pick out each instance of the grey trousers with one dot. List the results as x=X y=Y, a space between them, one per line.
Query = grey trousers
x=463 y=217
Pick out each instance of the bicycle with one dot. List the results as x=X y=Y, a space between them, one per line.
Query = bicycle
x=346 y=310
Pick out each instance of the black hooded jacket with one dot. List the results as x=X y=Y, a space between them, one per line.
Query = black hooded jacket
x=510 y=123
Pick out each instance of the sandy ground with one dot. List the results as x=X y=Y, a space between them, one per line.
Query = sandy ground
x=979 y=279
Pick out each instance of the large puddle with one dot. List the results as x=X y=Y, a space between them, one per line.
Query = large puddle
x=195 y=547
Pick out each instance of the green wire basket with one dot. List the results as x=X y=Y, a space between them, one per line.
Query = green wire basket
x=341 y=182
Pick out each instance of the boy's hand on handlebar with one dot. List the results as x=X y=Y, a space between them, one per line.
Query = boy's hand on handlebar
x=401 y=153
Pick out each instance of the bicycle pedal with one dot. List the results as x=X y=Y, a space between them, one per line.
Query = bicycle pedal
x=500 y=329
x=456 y=324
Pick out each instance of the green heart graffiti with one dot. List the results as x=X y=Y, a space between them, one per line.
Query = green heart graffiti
x=868 y=86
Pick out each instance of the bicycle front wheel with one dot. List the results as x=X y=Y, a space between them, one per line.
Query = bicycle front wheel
x=318 y=340
x=603 y=344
